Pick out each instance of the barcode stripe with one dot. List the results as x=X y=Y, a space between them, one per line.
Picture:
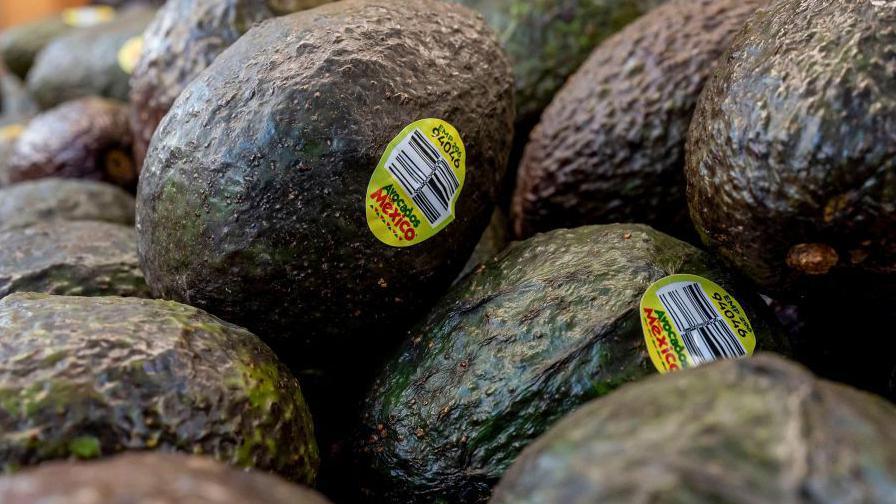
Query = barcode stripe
x=706 y=335
x=425 y=175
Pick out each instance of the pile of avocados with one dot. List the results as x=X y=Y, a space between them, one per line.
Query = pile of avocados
x=448 y=252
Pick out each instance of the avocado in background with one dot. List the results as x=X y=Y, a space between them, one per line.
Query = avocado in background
x=545 y=326
x=791 y=163
x=167 y=478
x=11 y=129
x=139 y=374
x=20 y=44
x=251 y=202
x=53 y=199
x=88 y=138
x=744 y=431
x=182 y=40
x=547 y=40
x=610 y=148
x=81 y=258
x=86 y=62
x=15 y=102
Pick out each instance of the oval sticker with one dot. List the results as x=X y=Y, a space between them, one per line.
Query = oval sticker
x=689 y=320
x=129 y=54
x=82 y=17
x=414 y=188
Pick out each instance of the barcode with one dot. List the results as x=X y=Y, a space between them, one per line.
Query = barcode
x=425 y=175
x=706 y=335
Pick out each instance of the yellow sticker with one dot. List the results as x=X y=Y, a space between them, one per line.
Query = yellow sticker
x=689 y=320
x=129 y=54
x=82 y=17
x=413 y=191
x=12 y=131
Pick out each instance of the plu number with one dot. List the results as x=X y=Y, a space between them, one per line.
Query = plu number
x=446 y=140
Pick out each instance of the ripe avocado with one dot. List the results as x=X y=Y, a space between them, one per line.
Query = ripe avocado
x=550 y=323
x=85 y=62
x=251 y=202
x=791 y=167
x=610 y=148
x=52 y=199
x=167 y=478
x=745 y=431
x=81 y=258
x=20 y=44
x=88 y=138
x=547 y=40
x=136 y=374
x=182 y=40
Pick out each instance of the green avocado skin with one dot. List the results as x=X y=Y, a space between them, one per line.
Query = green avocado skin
x=251 y=202
x=548 y=324
x=738 y=432
x=51 y=199
x=182 y=40
x=791 y=167
x=88 y=377
x=610 y=147
x=71 y=258
x=86 y=138
x=149 y=477
x=85 y=61
x=19 y=45
x=547 y=40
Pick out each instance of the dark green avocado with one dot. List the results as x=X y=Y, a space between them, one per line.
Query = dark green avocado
x=547 y=40
x=791 y=164
x=550 y=323
x=610 y=148
x=81 y=258
x=748 y=431
x=85 y=62
x=88 y=138
x=137 y=374
x=251 y=202
x=182 y=40
x=151 y=478
x=19 y=45
x=53 y=199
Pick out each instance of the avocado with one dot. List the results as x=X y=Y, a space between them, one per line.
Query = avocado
x=744 y=431
x=610 y=148
x=251 y=202
x=137 y=374
x=547 y=40
x=11 y=129
x=80 y=258
x=548 y=324
x=52 y=199
x=182 y=40
x=86 y=62
x=791 y=167
x=167 y=478
x=19 y=45
x=87 y=138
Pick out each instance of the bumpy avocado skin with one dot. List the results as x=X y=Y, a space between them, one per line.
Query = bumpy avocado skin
x=791 y=167
x=19 y=45
x=549 y=324
x=167 y=478
x=182 y=40
x=610 y=148
x=53 y=199
x=71 y=258
x=251 y=199
x=85 y=61
x=88 y=138
x=137 y=374
x=746 y=431
x=547 y=40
